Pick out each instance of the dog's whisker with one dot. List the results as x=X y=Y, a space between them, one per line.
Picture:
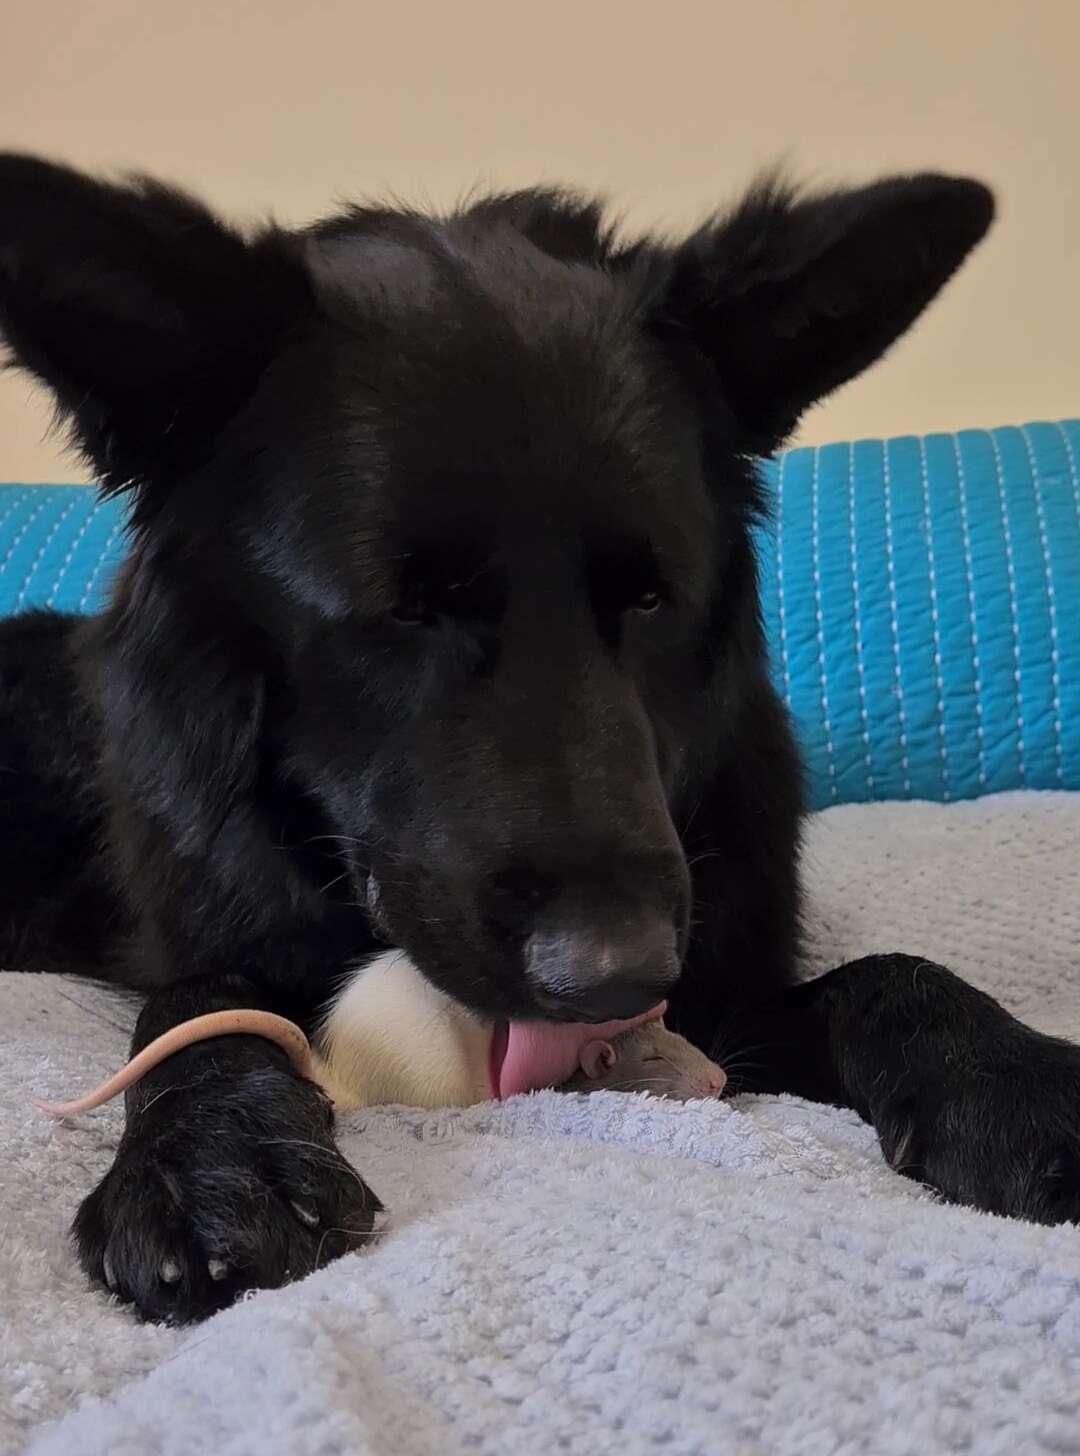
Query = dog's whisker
x=335 y=881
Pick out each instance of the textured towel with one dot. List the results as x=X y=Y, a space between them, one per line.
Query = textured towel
x=607 y=1273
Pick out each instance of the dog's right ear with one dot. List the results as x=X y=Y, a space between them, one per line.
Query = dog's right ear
x=148 y=318
x=788 y=296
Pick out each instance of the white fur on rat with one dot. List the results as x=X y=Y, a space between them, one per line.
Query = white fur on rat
x=393 y=1037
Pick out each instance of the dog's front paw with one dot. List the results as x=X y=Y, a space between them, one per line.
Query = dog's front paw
x=222 y=1187
x=973 y=1103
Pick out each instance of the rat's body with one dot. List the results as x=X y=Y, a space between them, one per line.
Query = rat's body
x=392 y=1037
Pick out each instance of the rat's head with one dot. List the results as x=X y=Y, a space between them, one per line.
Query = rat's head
x=442 y=550
x=649 y=1059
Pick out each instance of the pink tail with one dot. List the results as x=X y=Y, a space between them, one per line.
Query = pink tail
x=285 y=1034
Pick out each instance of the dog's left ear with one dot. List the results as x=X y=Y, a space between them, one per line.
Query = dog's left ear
x=148 y=318
x=790 y=296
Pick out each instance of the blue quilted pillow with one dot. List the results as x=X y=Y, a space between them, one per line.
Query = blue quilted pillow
x=59 y=545
x=921 y=598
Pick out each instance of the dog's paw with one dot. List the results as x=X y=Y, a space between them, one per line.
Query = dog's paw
x=219 y=1188
x=978 y=1106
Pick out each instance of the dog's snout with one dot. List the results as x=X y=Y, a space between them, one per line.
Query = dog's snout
x=600 y=974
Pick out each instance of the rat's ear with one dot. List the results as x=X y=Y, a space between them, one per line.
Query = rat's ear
x=147 y=317
x=789 y=296
x=597 y=1057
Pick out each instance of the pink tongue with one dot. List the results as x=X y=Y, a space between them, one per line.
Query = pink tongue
x=528 y=1055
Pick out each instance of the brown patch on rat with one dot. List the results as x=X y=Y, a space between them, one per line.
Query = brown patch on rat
x=648 y=1059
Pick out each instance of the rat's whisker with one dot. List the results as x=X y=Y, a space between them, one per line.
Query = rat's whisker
x=634 y=1084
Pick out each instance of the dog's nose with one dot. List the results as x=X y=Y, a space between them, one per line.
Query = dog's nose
x=514 y=898
x=607 y=974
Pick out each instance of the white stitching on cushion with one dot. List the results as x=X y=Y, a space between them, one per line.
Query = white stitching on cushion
x=76 y=497
x=116 y=530
x=98 y=507
x=1044 y=542
x=934 y=620
x=969 y=578
x=1074 y=477
x=19 y=534
x=1010 y=571
x=780 y=578
x=13 y=507
x=890 y=569
x=856 y=621
x=815 y=544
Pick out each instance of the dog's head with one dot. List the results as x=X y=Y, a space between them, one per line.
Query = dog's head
x=442 y=527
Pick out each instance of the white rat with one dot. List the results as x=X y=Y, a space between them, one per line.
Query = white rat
x=393 y=1037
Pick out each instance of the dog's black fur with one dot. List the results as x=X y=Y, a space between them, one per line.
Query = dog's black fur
x=440 y=629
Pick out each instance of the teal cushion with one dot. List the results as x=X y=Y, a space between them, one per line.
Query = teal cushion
x=59 y=546
x=921 y=597
x=921 y=600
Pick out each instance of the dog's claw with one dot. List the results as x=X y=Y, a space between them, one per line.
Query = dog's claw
x=169 y=1271
x=217 y=1269
x=108 y=1272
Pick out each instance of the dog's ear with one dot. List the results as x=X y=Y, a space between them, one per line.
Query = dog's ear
x=148 y=318
x=790 y=296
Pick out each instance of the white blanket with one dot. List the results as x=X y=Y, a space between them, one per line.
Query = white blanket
x=605 y=1274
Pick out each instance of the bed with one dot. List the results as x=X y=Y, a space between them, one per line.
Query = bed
x=611 y=1273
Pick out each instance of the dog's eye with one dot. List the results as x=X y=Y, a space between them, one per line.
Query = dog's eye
x=412 y=609
x=647 y=601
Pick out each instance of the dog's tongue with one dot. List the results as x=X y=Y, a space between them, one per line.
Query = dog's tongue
x=528 y=1055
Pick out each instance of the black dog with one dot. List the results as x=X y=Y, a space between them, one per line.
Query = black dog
x=440 y=630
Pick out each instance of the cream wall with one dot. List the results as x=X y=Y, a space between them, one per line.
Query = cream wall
x=666 y=106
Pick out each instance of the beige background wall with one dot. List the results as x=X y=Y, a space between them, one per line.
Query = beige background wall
x=668 y=105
